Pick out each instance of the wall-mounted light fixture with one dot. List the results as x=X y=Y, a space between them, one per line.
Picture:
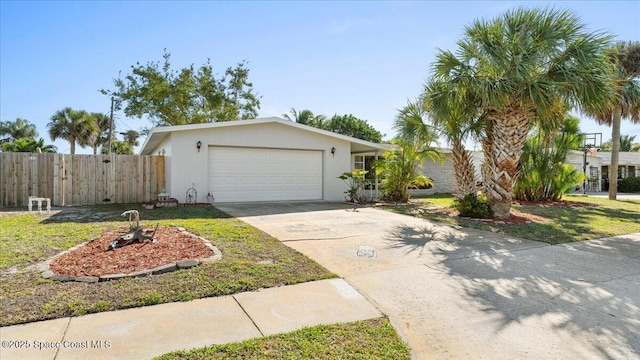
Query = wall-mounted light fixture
x=333 y=151
x=199 y=145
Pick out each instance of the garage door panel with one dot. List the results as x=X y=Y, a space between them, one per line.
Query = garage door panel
x=250 y=174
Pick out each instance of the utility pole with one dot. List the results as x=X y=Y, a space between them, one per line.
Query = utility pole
x=110 y=127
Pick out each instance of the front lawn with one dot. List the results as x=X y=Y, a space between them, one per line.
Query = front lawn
x=588 y=218
x=251 y=260
x=369 y=339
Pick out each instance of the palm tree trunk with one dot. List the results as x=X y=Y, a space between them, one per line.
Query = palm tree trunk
x=72 y=141
x=463 y=170
x=615 y=153
x=503 y=148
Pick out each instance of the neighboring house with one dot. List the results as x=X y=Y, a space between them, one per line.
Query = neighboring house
x=597 y=168
x=628 y=166
x=267 y=159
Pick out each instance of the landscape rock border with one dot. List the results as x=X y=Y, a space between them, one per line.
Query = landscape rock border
x=47 y=273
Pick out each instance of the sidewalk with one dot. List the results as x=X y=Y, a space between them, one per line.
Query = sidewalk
x=145 y=332
x=605 y=195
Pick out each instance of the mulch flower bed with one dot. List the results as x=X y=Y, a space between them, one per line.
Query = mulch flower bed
x=93 y=258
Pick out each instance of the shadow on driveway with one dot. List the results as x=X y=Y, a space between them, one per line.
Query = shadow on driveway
x=588 y=290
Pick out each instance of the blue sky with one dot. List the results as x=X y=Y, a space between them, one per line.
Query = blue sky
x=363 y=58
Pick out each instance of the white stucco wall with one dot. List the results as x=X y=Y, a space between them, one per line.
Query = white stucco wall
x=189 y=168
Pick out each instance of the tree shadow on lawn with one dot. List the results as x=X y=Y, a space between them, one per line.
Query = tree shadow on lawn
x=112 y=212
x=583 y=298
x=584 y=222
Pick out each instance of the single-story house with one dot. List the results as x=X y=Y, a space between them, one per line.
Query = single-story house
x=266 y=159
x=597 y=168
x=628 y=166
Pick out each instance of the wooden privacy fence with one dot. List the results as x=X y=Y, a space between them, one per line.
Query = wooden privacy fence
x=80 y=179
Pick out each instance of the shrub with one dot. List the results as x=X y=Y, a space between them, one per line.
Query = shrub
x=630 y=184
x=473 y=205
x=356 y=182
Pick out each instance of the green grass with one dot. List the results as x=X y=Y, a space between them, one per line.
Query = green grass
x=442 y=200
x=27 y=239
x=369 y=339
x=602 y=218
x=24 y=240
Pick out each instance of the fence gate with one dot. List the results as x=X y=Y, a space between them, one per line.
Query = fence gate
x=80 y=179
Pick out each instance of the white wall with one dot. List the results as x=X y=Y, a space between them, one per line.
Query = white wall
x=189 y=167
x=441 y=173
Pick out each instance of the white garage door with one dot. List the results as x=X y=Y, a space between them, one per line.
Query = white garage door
x=257 y=174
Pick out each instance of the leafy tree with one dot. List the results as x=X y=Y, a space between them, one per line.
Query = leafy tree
x=29 y=145
x=306 y=117
x=75 y=126
x=350 y=125
x=544 y=175
x=625 y=104
x=14 y=130
x=119 y=147
x=187 y=96
x=519 y=68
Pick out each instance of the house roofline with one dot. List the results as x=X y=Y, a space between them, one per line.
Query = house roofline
x=166 y=130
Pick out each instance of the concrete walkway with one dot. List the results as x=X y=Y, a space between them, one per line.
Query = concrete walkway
x=145 y=332
x=462 y=294
x=605 y=195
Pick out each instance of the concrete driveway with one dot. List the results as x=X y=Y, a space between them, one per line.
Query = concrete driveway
x=455 y=294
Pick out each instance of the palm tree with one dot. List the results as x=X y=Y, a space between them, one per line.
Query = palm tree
x=131 y=137
x=28 y=145
x=73 y=126
x=119 y=147
x=625 y=104
x=399 y=168
x=306 y=117
x=627 y=143
x=519 y=67
x=456 y=117
x=413 y=121
x=14 y=130
x=100 y=136
x=544 y=174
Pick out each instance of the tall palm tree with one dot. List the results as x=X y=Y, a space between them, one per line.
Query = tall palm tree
x=14 y=130
x=101 y=131
x=75 y=126
x=413 y=122
x=456 y=117
x=306 y=117
x=520 y=66
x=625 y=104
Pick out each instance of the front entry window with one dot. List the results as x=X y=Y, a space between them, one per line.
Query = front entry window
x=365 y=162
